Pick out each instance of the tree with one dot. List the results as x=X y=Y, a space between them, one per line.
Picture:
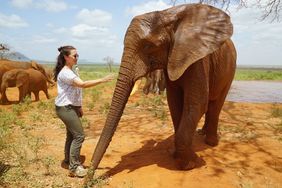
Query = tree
x=270 y=8
x=109 y=61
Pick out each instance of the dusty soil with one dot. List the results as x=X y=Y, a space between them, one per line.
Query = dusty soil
x=249 y=153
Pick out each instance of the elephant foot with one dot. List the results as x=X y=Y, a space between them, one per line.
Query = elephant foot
x=186 y=160
x=211 y=140
x=5 y=102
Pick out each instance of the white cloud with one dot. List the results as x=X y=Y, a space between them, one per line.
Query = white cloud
x=48 y=5
x=50 y=25
x=43 y=39
x=12 y=21
x=93 y=28
x=85 y=31
x=258 y=42
x=147 y=7
x=21 y=3
x=255 y=29
x=94 y=17
x=61 y=30
x=100 y=37
x=52 y=5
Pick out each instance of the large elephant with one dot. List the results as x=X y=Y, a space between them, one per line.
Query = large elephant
x=27 y=81
x=7 y=65
x=192 y=44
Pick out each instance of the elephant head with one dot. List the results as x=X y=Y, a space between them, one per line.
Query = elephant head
x=171 y=39
x=40 y=68
x=15 y=78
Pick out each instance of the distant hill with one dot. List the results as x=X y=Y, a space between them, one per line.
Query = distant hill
x=14 y=56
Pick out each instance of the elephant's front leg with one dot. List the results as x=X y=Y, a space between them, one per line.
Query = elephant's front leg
x=185 y=156
x=175 y=103
x=4 y=99
x=194 y=84
x=22 y=93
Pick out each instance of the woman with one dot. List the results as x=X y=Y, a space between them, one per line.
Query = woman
x=68 y=105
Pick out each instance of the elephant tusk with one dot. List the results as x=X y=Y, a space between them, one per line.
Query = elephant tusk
x=135 y=87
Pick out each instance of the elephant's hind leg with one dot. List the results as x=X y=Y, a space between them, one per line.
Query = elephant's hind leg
x=211 y=118
x=36 y=95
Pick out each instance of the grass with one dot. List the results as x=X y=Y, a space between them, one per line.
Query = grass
x=276 y=112
x=94 y=71
x=20 y=149
x=98 y=182
x=258 y=74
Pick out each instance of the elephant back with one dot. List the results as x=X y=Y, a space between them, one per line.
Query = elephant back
x=36 y=75
x=15 y=64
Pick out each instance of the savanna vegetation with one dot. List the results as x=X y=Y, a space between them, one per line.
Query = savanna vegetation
x=258 y=74
x=242 y=73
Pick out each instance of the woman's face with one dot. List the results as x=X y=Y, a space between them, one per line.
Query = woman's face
x=72 y=58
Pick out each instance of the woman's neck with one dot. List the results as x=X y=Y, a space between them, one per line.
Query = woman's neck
x=68 y=66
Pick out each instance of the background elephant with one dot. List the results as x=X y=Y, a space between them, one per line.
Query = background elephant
x=15 y=78
x=27 y=81
x=7 y=65
x=155 y=82
x=191 y=43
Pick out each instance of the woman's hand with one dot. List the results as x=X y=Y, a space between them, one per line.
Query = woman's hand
x=109 y=78
x=80 y=112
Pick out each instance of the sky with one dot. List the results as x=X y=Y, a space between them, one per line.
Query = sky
x=36 y=28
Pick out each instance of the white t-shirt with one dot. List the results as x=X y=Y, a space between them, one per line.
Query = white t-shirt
x=67 y=93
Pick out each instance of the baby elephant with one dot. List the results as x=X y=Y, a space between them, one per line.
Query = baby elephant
x=27 y=80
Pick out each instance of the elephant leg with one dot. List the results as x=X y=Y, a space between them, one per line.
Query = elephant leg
x=175 y=103
x=185 y=156
x=211 y=118
x=21 y=94
x=36 y=95
x=4 y=99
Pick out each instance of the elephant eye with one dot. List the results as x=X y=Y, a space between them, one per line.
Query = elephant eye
x=148 y=46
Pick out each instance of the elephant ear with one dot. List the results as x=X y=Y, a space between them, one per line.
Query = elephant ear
x=201 y=30
x=22 y=78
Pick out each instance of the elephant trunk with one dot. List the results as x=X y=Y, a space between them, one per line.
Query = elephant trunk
x=121 y=94
x=50 y=81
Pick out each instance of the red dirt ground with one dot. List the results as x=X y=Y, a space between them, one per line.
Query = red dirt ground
x=249 y=153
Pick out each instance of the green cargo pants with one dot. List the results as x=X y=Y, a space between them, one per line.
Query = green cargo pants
x=74 y=134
